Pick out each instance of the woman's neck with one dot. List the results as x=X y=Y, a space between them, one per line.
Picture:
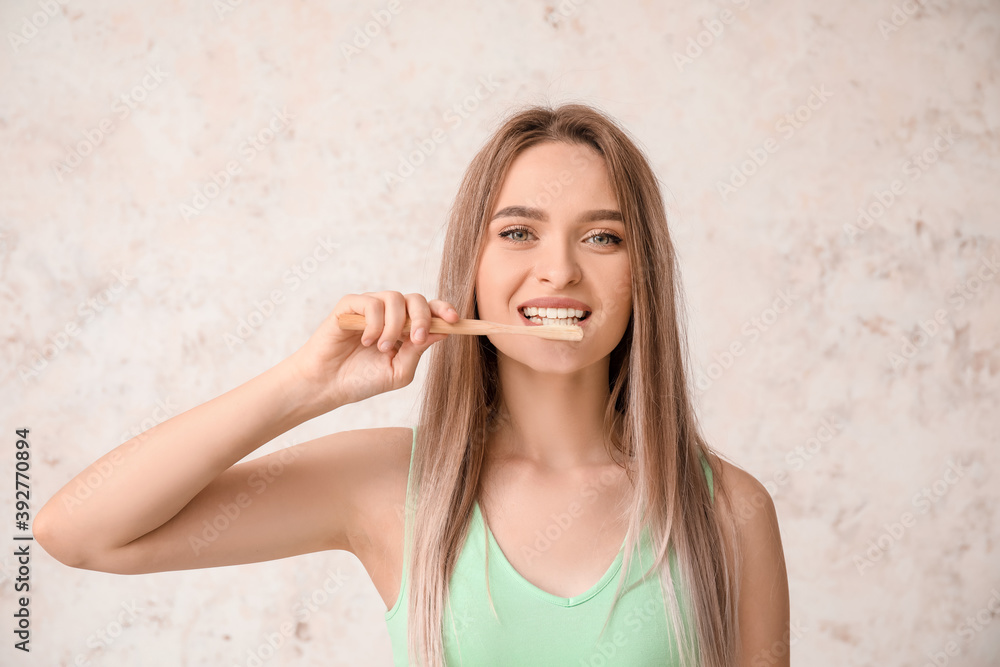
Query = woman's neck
x=553 y=421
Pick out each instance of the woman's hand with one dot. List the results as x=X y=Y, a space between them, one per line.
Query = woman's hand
x=348 y=366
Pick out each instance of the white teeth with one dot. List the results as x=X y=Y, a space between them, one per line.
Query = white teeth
x=553 y=313
x=562 y=321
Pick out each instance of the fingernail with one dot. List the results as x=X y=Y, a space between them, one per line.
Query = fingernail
x=420 y=335
x=384 y=346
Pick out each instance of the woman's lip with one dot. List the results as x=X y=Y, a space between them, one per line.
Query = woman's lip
x=581 y=323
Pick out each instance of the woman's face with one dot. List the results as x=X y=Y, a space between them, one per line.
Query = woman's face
x=556 y=232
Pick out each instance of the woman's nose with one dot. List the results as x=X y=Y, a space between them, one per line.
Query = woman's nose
x=558 y=264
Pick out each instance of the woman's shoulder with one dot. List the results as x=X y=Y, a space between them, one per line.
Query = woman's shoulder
x=394 y=463
x=380 y=487
x=371 y=467
x=751 y=505
x=380 y=504
x=738 y=484
x=763 y=576
x=389 y=455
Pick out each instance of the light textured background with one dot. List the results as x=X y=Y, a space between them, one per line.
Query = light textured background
x=813 y=405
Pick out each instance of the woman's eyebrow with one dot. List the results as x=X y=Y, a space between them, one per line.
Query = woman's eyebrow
x=538 y=214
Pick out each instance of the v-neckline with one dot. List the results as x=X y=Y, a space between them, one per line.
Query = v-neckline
x=499 y=555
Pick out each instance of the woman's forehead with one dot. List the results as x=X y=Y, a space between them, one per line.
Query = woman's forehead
x=555 y=174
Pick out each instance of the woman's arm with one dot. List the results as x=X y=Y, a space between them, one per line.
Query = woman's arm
x=140 y=485
x=764 y=604
x=172 y=498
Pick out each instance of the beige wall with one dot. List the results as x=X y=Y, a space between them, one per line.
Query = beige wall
x=864 y=388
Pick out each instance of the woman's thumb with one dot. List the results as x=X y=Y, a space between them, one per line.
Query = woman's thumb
x=409 y=353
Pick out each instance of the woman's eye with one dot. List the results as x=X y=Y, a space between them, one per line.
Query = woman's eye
x=607 y=238
x=513 y=230
x=612 y=239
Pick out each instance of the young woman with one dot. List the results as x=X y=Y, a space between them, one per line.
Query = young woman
x=540 y=472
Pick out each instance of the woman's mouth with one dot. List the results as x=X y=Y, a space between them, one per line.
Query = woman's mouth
x=563 y=316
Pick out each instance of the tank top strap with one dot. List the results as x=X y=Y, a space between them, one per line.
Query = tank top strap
x=407 y=514
x=708 y=476
x=409 y=506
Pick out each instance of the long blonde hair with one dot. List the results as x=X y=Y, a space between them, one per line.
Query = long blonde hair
x=649 y=404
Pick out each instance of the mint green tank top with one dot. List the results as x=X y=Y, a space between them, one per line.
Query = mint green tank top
x=534 y=627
